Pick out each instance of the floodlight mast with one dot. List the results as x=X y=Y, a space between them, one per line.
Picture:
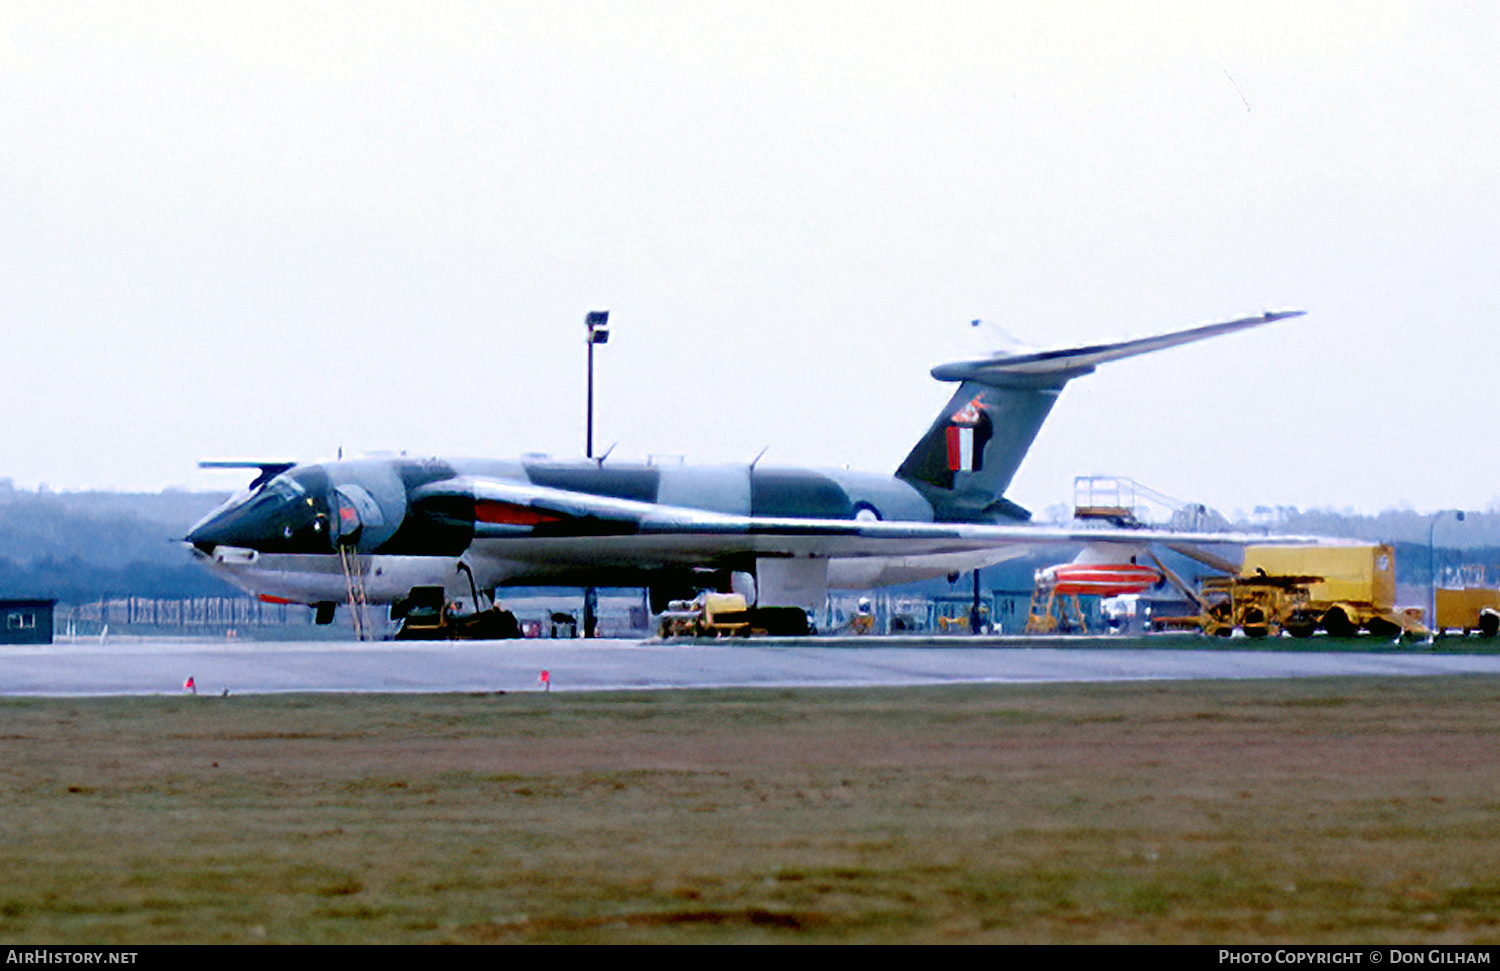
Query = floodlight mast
x=597 y=323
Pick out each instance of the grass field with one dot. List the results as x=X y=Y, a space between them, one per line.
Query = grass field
x=1350 y=810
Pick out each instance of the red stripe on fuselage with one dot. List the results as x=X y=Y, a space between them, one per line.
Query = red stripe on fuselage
x=510 y=514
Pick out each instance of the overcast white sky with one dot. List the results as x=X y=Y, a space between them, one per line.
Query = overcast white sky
x=273 y=230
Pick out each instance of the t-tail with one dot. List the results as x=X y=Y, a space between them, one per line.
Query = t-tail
x=965 y=462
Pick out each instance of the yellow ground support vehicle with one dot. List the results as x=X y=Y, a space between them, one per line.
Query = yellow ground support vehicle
x=729 y=615
x=1303 y=589
x=1049 y=613
x=1258 y=605
x=1468 y=609
x=707 y=615
x=426 y=615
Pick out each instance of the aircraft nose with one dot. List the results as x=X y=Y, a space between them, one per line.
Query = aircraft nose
x=265 y=523
x=213 y=531
x=202 y=540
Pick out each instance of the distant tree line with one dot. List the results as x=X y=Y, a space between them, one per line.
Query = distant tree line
x=75 y=581
x=78 y=547
x=1478 y=528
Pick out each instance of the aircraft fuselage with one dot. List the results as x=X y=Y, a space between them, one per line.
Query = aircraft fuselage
x=408 y=521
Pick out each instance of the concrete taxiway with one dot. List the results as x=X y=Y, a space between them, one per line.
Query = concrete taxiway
x=161 y=666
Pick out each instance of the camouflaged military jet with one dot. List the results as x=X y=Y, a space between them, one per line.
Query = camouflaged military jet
x=380 y=528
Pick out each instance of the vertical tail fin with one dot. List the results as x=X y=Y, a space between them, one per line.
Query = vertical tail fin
x=968 y=457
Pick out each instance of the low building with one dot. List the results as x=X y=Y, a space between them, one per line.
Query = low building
x=26 y=621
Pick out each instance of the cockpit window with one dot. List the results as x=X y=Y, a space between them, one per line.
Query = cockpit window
x=284 y=487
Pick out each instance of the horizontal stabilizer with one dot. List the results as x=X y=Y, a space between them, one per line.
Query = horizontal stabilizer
x=268 y=470
x=965 y=462
x=1072 y=361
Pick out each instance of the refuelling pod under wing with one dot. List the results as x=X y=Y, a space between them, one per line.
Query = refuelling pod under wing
x=1101 y=570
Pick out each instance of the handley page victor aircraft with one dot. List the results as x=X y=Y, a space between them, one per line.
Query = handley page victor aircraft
x=314 y=534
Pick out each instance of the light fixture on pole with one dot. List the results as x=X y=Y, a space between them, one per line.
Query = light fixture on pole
x=597 y=323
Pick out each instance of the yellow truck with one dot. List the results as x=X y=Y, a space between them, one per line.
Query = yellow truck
x=713 y=614
x=1468 y=609
x=1341 y=590
x=708 y=615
